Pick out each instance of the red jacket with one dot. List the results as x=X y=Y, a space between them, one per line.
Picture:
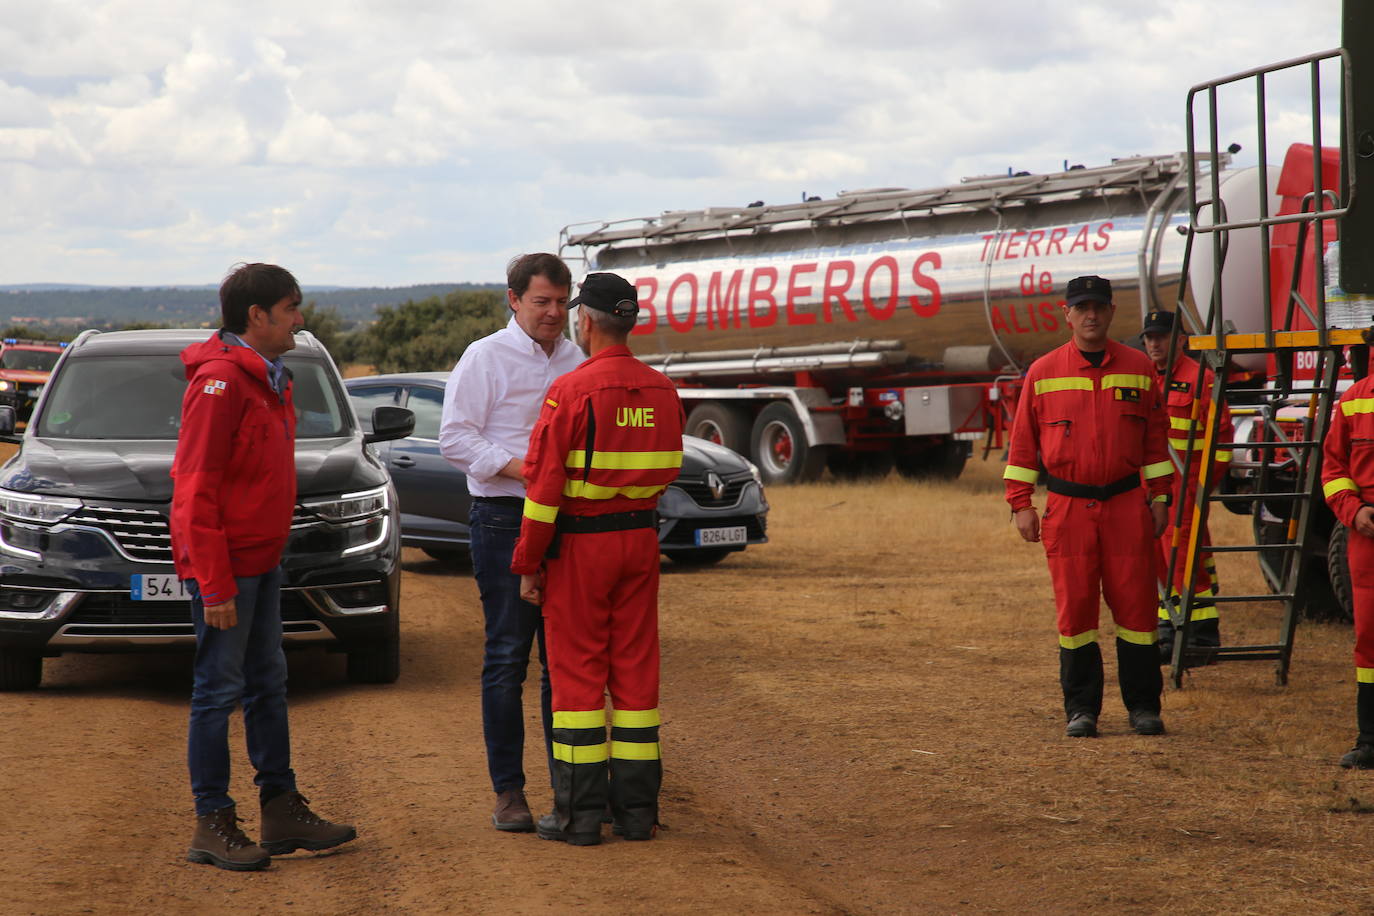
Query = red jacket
x=1348 y=453
x=636 y=447
x=234 y=476
x=1088 y=424
x=1180 y=393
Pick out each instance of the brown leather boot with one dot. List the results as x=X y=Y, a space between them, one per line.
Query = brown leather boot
x=220 y=842
x=288 y=825
x=512 y=812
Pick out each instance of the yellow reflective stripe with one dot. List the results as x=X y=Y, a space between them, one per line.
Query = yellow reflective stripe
x=540 y=512
x=1364 y=675
x=1135 y=636
x=634 y=718
x=634 y=750
x=1182 y=445
x=1025 y=475
x=625 y=461
x=1126 y=380
x=1205 y=613
x=581 y=753
x=551 y=402
x=1224 y=455
x=1357 y=405
x=1158 y=469
x=1163 y=497
x=1340 y=483
x=589 y=718
x=1183 y=423
x=580 y=489
x=1068 y=383
x=1079 y=641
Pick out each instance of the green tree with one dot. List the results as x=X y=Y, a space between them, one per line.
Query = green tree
x=430 y=334
x=326 y=325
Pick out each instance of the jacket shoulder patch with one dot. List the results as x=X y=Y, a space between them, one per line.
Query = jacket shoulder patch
x=215 y=386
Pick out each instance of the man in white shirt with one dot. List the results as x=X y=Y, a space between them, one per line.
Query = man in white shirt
x=491 y=403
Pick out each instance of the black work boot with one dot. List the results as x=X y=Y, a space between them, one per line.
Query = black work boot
x=548 y=829
x=288 y=824
x=1361 y=756
x=1082 y=725
x=220 y=842
x=1080 y=677
x=1142 y=683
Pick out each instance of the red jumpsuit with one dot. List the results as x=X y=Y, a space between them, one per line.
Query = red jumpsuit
x=1348 y=484
x=1096 y=428
x=607 y=443
x=1188 y=409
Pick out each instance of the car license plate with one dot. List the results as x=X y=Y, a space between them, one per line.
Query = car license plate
x=157 y=588
x=710 y=537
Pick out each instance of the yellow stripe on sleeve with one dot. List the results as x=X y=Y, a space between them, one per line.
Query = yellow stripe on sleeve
x=1025 y=475
x=539 y=512
x=1340 y=483
x=1158 y=469
x=1357 y=405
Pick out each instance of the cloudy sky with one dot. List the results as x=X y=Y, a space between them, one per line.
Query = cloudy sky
x=388 y=142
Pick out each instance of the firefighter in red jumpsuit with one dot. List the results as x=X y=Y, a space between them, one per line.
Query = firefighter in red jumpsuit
x=1090 y=416
x=1348 y=484
x=1188 y=404
x=607 y=443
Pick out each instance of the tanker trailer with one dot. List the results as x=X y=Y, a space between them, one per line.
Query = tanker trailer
x=889 y=326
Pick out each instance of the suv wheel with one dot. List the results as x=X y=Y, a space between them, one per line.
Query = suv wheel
x=377 y=664
x=20 y=670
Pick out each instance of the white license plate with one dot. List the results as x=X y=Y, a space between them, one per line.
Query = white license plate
x=710 y=537
x=157 y=588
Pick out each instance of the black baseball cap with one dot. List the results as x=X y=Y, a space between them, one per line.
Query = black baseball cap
x=1088 y=289
x=1158 y=322
x=608 y=293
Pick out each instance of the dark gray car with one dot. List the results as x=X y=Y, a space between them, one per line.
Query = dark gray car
x=714 y=508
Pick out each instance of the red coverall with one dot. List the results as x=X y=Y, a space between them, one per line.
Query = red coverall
x=1095 y=426
x=607 y=443
x=1348 y=484
x=1181 y=401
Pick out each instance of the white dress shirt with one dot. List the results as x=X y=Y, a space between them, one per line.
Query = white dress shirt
x=492 y=400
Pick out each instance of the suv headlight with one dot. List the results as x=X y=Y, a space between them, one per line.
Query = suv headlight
x=351 y=505
x=30 y=507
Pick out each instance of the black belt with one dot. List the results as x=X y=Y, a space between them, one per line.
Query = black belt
x=615 y=521
x=1083 y=491
x=510 y=502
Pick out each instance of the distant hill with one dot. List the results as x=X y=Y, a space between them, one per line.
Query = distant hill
x=54 y=304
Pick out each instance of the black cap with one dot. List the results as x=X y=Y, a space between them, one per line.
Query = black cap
x=1158 y=322
x=608 y=293
x=1089 y=289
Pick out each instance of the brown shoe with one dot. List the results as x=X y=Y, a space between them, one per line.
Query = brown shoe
x=220 y=842
x=288 y=825
x=512 y=812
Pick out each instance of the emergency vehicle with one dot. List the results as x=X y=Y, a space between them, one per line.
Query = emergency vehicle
x=25 y=366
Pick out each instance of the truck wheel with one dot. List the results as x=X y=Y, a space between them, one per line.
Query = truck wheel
x=859 y=465
x=1338 y=569
x=20 y=670
x=377 y=664
x=780 y=448
x=705 y=557
x=941 y=462
x=720 y=424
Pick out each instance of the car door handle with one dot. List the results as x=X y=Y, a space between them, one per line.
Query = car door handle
x=405 y=461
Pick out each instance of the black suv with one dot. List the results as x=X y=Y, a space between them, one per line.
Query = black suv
x=85 y=553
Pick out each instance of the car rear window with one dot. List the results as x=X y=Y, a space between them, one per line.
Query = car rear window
x=138 y=396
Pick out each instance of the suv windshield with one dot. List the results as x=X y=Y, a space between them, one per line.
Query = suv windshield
x=139 y=397
x=32 y=360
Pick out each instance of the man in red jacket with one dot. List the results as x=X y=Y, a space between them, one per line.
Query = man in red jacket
x=1187 y=401
x=1348 y=484
x=234 y=492
x=607 y=443
x=1089 y=414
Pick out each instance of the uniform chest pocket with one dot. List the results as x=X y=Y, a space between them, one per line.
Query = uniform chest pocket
x=1179 y=399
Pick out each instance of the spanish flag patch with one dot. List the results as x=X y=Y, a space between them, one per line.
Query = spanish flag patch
x=215 y=386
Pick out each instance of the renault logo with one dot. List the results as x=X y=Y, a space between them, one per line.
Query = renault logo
x=715 y=485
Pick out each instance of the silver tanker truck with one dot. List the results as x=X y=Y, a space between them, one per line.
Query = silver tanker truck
x=890 y=327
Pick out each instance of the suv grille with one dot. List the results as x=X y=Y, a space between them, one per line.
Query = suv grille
x=143 y=533
x=701 y=494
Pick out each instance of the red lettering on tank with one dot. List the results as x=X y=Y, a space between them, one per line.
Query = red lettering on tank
x=756 y=294
x=1104 y=232
x=722 y=308
x=927 y=283
x=1049 y=317
x=1033 y=243
x=890 y=307
x=999 y=324
x=645 y=290
x=1013 y=241
x=1080 y=240
x=1055 y=244
x=682 y=326
x=1016 y=320
x=794 y=292
x=833 y=290
x=987 y=240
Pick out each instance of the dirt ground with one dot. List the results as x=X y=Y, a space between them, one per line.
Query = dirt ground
x=860 y=717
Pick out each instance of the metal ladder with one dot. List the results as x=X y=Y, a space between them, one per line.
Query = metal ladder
x=1288 y=480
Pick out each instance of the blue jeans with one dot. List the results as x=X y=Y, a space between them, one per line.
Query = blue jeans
x=244 y=663
x=512 y=626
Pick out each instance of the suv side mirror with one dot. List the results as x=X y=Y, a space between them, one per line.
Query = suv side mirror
x=390 y=423
x=8 y=420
